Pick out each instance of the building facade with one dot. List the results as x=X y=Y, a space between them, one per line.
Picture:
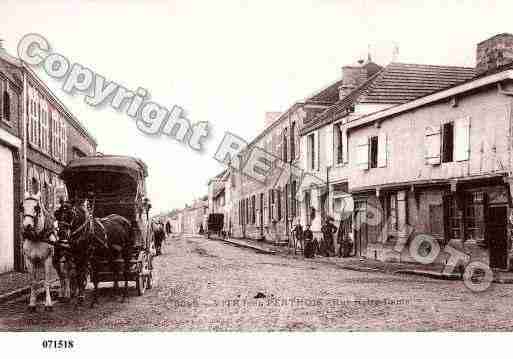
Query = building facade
x=266 y=210
x=443 y=169
x=49 y=137
x=11 y=147
x=365 y=88
x=54 y=136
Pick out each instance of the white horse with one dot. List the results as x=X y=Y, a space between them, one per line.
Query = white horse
x=38 y=233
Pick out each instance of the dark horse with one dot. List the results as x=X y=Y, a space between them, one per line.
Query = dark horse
x=92 y=240
x=159 y=236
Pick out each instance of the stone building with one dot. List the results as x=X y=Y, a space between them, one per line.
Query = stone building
x=192 y=218
x=50 y=136
x=365 y=88
x=440 y=165
x=269 y=209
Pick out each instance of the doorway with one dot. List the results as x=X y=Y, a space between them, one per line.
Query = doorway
x=360 y=228
x=496 y=236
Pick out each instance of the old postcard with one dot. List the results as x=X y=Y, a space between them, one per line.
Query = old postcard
x=254 y=166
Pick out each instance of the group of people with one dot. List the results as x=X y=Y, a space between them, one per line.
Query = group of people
x=326 y=246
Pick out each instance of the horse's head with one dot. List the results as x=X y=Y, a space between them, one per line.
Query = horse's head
x=71 y=221
x=65 y=217
x=33 y=217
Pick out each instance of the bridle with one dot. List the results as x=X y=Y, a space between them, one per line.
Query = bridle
x=35 y=217
x=82 y=229
x=69 y=226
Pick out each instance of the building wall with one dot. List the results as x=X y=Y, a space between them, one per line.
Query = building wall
x=420 y=189
x=489 y=115
x=11 y=244
x=264 y=221
x=48 y=153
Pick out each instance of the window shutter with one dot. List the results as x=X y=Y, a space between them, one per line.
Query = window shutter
x=432 y=145
x=462 y=139
x=382 y=150
x=362 y=154
x=317 y=146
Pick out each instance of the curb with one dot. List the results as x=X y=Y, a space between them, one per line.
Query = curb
x=429 y=274
x=23 y=291
x=417 y=272
x=248 y=246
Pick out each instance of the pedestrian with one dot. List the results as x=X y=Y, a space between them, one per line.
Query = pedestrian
x=298 y=234
x=309 y=243
x=328 y=230
x=344 y=237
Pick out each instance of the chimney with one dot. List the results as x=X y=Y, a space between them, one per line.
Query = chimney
x=352 y=77
x=494 y=52
x=270 y=117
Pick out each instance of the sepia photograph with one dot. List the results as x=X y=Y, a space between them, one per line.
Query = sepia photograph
x=173 y=169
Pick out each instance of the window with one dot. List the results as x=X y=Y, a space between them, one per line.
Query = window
x=278 y=205
x=240 y=212
x=293 y=141
x=247 y=211
x=339 y=154
x=311 y=151
x=273 y=204
x=447 y=142
x=253 y=209
x=454 y=218
x=373 y=151
x=293 y=189
x=7 y=106
x=474 y=216
x=44 y=130
x=64 y=144
x=270 y=206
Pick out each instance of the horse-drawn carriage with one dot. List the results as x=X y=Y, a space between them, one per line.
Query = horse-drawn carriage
x=116 y=185
x=215 y=224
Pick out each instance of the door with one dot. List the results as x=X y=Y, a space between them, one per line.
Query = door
x=360 y=229
x=496 y=236
x=6 y=210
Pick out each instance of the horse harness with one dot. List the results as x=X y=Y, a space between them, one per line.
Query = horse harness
x=48 y=228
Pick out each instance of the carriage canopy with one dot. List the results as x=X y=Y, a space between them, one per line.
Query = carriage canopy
x=113 y=184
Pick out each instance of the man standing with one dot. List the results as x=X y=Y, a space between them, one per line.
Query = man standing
x=328 y=230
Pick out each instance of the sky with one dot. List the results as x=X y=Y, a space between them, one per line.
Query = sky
x=228 y=62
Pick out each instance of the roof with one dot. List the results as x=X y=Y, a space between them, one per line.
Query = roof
x=492 y=77
x=107 y=161
x=396 y=83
